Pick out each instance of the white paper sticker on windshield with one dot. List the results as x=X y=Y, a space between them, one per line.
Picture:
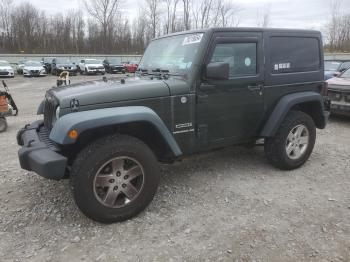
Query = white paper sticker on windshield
x=192 y=39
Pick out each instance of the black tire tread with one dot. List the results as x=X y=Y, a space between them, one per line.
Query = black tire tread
x=117 y=141
x=275 y=146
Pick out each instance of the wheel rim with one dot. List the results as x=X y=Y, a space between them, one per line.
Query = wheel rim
x=118 y=182
x=297 y=142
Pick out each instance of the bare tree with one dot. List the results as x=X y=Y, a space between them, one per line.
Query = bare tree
x=103 y=11
x=186 y=6
x=171 y=9
x=263 y=19
x=153 y=13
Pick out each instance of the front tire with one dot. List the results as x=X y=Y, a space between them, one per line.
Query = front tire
x=114 y=178
x=293 y=143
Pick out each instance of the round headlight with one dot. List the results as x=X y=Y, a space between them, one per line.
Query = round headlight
x=58 y=112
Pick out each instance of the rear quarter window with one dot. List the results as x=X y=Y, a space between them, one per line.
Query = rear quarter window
x=294 y=54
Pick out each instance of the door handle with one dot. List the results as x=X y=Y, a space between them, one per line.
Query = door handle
x=256 y=89
x=206 y=87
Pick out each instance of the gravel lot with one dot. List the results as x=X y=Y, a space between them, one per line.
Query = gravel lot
x=228 y=205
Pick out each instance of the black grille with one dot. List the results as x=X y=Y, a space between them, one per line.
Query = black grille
x=34 y=71
x=4 y=73
x=335 y=96
x=44 y=137
x=49 y=112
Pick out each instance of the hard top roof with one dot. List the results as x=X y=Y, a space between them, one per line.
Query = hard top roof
x=244 y=29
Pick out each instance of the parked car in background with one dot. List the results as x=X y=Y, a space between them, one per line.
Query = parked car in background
x=114 y=65
x=91 y=66
x=339 y=93
x=20 y=66
x=6 y=69
x=34 y=68
x=334 y=68
x=63 y=64
x=46 y=61
x=131 y=66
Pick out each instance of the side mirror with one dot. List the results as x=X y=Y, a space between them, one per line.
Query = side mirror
x=218 y=71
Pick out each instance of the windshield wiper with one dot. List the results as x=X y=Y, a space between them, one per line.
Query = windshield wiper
x=158 y=72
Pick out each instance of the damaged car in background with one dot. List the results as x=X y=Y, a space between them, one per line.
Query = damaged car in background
x=339 y=93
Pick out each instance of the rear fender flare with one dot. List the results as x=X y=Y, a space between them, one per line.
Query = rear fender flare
x=285 y=104
x=87 y=120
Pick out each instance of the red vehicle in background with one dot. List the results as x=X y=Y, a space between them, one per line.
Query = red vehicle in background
x=131 y=66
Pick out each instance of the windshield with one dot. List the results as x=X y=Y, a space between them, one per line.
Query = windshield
x=346 y=74
x=4 y=63
x=331 y=65
x=63 y=61
x=33 y=63
x=93 y=61
x=175 y=53
x=115 y=61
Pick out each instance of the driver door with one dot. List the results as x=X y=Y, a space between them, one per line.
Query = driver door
x=231 y=110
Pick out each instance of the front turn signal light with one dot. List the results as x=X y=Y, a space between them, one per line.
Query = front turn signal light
x=73 y=134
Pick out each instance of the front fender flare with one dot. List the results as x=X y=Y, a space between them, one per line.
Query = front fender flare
x=285 y=104
x=87 y=120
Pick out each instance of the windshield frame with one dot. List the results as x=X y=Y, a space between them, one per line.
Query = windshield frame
x=114 y=61
x=188 y=64
x=33 y=63
x=4 y=63
x=339 y=63
x=347 y=73
x=63 y=61
x=90 y=62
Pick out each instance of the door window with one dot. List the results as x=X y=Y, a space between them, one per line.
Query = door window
x=240 y=56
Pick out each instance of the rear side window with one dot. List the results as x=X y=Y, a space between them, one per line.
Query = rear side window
x=240 y=56
x=345 y=65
x=294 y=54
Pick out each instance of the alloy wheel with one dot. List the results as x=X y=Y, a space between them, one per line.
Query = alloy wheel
x=118 y=182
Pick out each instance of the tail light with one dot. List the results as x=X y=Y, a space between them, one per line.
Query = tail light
x=323 y=88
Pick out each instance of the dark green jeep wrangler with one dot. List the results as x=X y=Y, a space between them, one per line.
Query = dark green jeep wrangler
x=193 y=92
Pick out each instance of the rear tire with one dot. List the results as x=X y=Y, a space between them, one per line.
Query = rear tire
x=94 y=178
x=3 y=124
x=293 y=143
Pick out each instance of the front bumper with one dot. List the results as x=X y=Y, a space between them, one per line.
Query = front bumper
x=7 y=73
x=38 y=153
x=117 y=69
x=96 y=71
x=341 y=108
x=340 y=101
x=34 y=73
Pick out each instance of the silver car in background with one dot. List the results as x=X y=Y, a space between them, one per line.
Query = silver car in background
x=34 y=68
x=6 y=69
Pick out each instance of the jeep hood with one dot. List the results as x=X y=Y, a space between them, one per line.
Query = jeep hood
x=99 y=92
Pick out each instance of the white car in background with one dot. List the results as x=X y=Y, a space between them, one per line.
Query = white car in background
x=33 y=68
x=6 y=69
x=91 y=66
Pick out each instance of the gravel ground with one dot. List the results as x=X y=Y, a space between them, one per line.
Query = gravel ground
x=228 y=205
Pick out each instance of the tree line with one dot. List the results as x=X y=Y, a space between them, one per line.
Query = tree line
x=338 y=29
x=103 y=28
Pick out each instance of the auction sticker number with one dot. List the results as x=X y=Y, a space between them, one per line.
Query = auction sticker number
x=192 y=39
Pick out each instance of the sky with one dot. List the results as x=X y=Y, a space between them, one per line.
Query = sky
x=303 y=14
